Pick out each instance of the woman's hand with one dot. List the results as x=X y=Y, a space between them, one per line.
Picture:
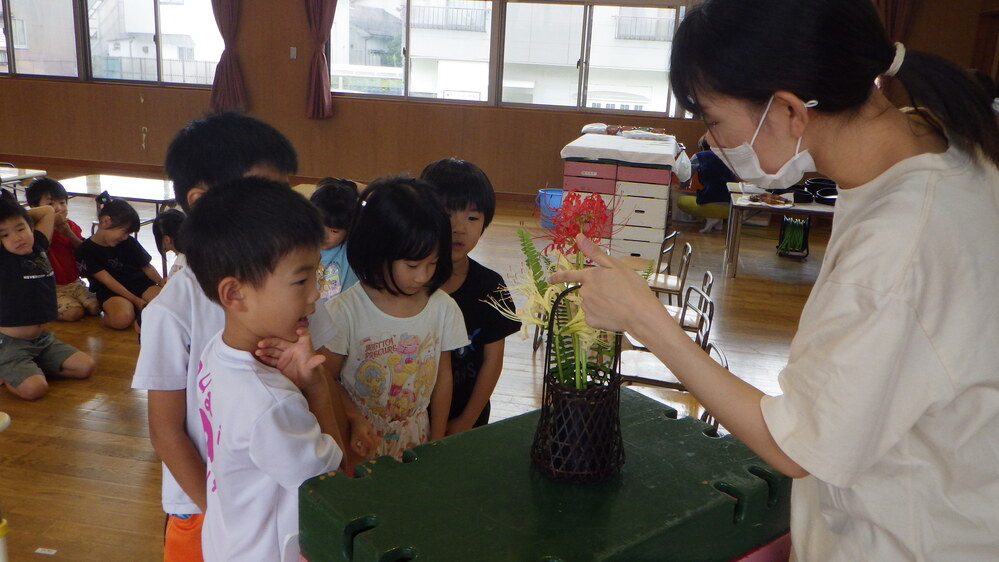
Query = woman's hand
x=612 y=292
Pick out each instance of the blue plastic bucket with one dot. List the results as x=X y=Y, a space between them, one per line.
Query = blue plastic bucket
x=549 y=200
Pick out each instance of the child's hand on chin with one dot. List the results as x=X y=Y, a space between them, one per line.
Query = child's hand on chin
x=296 y=360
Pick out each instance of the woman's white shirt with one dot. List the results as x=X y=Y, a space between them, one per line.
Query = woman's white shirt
x=891 y=392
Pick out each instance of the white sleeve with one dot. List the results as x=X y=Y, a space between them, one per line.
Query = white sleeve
x=453 y=334
x=321 y=327
x=861 y=373
x=288 y=446
x=164 y=351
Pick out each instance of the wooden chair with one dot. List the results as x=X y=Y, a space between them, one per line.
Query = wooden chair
x=665 y=258
x=719 y=356
x=669 y=282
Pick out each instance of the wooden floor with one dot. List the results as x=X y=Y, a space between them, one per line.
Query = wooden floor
x=80 y=477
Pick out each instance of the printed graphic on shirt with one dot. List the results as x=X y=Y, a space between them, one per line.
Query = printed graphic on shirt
x=395 y=375
x=36 y=266
x=205 y=409
x=329 y=280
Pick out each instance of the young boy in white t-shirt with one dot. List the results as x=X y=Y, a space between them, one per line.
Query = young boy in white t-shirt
x=267 y=430
x=178 y=323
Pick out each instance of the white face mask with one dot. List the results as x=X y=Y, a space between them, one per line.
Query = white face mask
x=746 y=164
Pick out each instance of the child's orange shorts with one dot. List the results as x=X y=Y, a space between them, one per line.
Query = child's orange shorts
x=182 y=540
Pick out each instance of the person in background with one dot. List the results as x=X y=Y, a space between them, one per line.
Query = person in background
x=336 y=199
x=73 y=298
x=711 y=202
x=270 y=429
x=397 y=330
x=117 y=266
x=889 y=416
x=166 y=234
x=181 y=320
x=470 y=201
x=29 y=353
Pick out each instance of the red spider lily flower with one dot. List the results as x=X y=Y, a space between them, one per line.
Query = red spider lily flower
x=589 y=215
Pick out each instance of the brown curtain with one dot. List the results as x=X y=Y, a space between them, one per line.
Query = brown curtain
x=228 y=91
x=319 y=103
x=897 y=16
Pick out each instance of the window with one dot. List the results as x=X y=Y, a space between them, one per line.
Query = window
x=448 y=48
x=43 y=36
x=124 y=45
x=554 y=53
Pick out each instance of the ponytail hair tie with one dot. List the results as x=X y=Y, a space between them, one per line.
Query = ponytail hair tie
x=896 y=62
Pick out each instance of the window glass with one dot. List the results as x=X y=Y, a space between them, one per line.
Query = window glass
x=449 y=49
x=541 y=54
x=3 y=43
x=123 y=47
x=629 y=56
x=366 y=47
x=191 y=44
x=44 y=37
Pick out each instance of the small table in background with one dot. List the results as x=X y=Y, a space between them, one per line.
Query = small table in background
x=137 y=190
x=735 y=218
x=12 y=177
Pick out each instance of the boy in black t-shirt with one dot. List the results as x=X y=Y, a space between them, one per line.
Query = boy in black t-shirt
x=470 y=200
x=27 y=300
x=117 y=266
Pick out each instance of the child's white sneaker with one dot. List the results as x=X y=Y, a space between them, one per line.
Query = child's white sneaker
x=711 y=224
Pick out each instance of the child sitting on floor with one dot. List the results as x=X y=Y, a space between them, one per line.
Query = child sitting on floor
x=396 y=328
x=73 y=298
x=28 y=353
x=117 y=266
x=166 y=230
x=335 y=199
x=267 y=430
x=470 y=201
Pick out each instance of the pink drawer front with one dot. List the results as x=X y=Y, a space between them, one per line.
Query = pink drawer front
x=595 y=185
x=643 y=175
x=591 y=170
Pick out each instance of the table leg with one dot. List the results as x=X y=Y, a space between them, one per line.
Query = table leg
x=732 y=238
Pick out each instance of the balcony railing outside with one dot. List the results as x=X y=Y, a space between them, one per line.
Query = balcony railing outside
x=644 y=28
x=449 y=18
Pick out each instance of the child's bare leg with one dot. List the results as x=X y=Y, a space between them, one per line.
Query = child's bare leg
x=31 y=388
x=77 y=366
x=119 y=313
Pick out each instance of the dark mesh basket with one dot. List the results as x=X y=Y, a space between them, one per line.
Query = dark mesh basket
x=578 y=438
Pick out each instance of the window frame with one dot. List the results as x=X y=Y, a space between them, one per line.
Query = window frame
x=494 y=92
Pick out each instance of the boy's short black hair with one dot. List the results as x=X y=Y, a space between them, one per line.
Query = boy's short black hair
x=121 y=214
x=335 y=199
x=398 y=218
x=40 y=187
x=10 y=209
x=7 y=195
x=243 y=227
x=462 y=185
x=221 y=147
x=168 y=223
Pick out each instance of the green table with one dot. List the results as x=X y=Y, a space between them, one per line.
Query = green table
x=682 y=495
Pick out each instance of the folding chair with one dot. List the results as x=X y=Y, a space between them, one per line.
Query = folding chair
x=670 y=283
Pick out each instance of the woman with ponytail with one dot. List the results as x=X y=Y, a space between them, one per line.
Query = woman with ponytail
x=889 y=418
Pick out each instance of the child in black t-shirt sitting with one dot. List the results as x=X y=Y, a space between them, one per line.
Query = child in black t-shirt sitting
x=470 y=201
x=117 y=266
x=27 y=300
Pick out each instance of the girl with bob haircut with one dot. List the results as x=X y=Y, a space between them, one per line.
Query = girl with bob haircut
x=889 y=417
x=397 y=328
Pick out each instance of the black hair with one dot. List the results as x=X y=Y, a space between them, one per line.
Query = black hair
x=168 y=223
x=461 y=185
x=221 y=147
x=7 y=195
x=398 y=218
x=243 y=227
x=40 y=187
x=825 y=50
x=11 y=209
x=335 y=199
x=121 y=214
